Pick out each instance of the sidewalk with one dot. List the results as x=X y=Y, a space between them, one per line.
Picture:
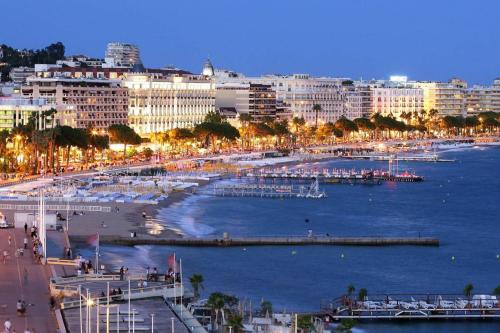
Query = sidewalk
x=33 y=288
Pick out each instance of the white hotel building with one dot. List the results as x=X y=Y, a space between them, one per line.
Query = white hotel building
x=388 y=99
x=483 y=99
x=158 y=103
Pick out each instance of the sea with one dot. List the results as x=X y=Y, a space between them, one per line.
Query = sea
x=458 y=202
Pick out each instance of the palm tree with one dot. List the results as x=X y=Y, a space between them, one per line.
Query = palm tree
x=236 y=322
x=350 y=289
x=468 y=290
x=197 y=284
x=362 y=294
x=125 y=135
x=266 y=307
x=216 y=304
x=316 y=109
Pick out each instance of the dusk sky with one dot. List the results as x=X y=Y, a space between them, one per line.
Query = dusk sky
x=424 y=39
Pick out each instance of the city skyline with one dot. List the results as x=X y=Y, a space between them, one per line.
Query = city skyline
x=362 y=39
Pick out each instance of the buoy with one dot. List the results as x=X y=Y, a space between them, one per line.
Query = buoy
x=294 y=252
x=244 y=249
x=444 y=201
x=342 y=256
x=452 y=257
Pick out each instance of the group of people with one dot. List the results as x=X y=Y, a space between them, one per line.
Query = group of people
x=36 y=244
x=152 y=275
x=114 y=292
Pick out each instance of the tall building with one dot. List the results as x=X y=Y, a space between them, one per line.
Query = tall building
x=159 y=103
x=448 y=98
x=483 y=99
x=83 y=102
x=123 y=54
x=16 y=111
x=257 y=100
x=20 y=74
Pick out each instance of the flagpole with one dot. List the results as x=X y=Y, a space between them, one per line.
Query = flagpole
x=175 y=277
x=182 y=287
x=129 y=305
x=107 y=311
x=81 y=319
x=97 y=256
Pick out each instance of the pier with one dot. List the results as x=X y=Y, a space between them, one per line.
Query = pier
x=271 y=241
x=269 y=191
x=413 y=307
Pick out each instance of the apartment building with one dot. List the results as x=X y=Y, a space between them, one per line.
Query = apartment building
x=82 y=102
x=483 y=99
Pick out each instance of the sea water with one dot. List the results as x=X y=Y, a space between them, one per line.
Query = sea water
x=459 y=203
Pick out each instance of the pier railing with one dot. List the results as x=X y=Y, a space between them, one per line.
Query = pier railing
x=406 y=306
x=166 y=291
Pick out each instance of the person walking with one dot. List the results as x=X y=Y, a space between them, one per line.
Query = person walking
x=5 y=255
x=25 y=228
x=25 y=242
x=10 y=240
x=7 y=325
x=25 y=276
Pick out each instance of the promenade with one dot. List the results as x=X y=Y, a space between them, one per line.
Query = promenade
x=22 y=278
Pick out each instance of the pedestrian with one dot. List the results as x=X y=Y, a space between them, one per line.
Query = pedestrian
x=7 y=325
x=5 y=255
x=10 y=240
x=25 y=228
x=25 y=242
x=25 y=275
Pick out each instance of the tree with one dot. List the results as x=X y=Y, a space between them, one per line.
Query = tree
x=236 y=322
x=216 y=303
x=316 y=109
x=346 y=125
x=125 y=135
x=266 y=308
x=350 y=289
x=304 y=322
x=362 y=294
x=496 y=291
x=148 y=153
x=196 y=281
x=468 y=290
x=346 y=325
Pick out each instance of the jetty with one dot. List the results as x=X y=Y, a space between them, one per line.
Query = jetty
x=413 y=307
x=269 y=191
x=227 y=241
x=416 y=158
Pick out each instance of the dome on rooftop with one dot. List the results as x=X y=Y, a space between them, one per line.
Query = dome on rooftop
x=208 y=68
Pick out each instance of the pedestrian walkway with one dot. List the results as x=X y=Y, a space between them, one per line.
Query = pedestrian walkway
x=23 y=279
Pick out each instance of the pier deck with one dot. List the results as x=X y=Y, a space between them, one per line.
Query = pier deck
x=273 y=241
x=408 y=307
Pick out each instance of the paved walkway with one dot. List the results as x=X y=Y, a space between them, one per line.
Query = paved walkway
x=16 y=284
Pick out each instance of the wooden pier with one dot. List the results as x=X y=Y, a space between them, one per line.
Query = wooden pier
x=270 y=241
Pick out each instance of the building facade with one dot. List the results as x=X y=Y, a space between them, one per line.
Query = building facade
x=483 y=99
x=256 y=100
x=447 y=98
x=123 y=54
x=83 y=102
x=299 y=93
x=396 y=100
x=159 y=103
x=16 y=111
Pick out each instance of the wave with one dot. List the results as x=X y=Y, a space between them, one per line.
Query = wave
x=186 y=215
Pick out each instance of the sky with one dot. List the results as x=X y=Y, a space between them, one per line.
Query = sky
x=423 y=39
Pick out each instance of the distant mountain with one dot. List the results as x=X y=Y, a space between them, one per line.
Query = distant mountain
x=10 y=57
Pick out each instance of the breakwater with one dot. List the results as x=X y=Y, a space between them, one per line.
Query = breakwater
x=268 y=241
